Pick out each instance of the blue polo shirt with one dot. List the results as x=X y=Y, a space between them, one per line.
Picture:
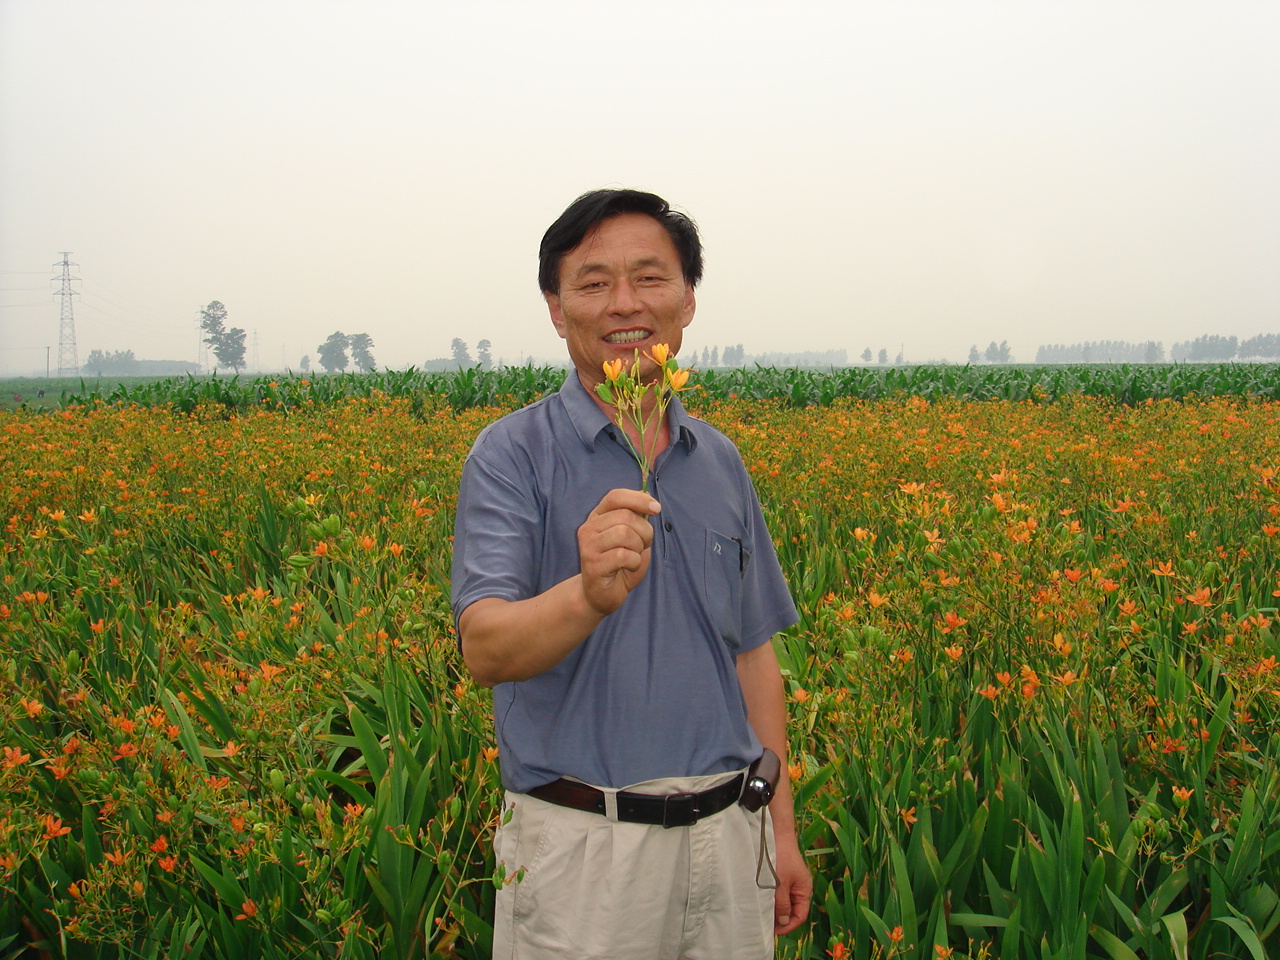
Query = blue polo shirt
x=653 y=691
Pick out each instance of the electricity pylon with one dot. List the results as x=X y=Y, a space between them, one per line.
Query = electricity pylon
x=68 y=361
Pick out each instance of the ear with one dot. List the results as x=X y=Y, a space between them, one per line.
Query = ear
x=557 y=315
x=690 y=305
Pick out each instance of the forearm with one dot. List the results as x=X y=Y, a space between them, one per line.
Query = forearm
x=514 y=640
x=762 y=688
x=763 y=691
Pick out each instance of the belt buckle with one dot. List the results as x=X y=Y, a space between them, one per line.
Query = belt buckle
x=684 y=814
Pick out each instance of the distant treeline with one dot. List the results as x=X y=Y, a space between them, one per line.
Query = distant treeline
x=122 y=363
x=1208 y=348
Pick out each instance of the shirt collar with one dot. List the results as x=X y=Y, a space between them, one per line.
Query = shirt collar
x=589 y=420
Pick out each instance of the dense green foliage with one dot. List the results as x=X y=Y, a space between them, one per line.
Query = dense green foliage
x=476 y=387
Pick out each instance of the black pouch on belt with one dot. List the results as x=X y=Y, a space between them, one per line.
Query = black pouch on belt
x=762 y=781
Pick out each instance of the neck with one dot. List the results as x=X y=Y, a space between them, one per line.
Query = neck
x=656 y=442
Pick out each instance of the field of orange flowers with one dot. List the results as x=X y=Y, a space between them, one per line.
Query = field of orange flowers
x=1035 y=693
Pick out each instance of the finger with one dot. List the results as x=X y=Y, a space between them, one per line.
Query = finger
x=781 y=908
x=622 y=536
x=635 y=501
x=614 y=527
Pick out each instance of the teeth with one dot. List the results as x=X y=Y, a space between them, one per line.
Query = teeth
x=627 y=336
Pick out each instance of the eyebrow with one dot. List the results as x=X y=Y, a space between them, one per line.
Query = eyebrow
x=640 y=264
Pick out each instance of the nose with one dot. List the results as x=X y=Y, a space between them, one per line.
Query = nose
x=622 y=299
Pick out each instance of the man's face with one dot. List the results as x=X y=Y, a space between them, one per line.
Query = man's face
x=621 y=288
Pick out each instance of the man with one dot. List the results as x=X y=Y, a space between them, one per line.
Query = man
x=626 y=634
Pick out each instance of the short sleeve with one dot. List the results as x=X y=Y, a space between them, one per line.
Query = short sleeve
x=496 y=532
x=767 y=604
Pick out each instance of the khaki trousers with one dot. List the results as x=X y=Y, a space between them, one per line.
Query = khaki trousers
x=597 y=889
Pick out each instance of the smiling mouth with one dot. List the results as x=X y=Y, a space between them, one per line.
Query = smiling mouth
x=627 y=336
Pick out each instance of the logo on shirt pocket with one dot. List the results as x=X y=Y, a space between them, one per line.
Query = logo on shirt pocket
x=724 y=562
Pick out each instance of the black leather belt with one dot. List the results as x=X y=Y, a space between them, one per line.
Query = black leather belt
x=670 y=810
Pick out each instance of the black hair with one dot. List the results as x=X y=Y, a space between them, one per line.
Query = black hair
x=598 y=205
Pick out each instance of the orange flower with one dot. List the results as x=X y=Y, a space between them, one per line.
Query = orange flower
x=489 y=754
x=247 y=909
x=613 y=369
x=661 y=352
x=801 y=695
x=33 y=707
x=839 y=951
x=322 y=549
x=118 y=857
x=990 y=691
x=126 y=749
x=161 y=844
x=14 y=757
x=678 y=379
x=908 y=816
x=954 y=652
x=951 y=621
x=1181 y=795
x=1200 y=598
x=877 y=599
x=895 y=934
x=53 y=827
x=168 y=863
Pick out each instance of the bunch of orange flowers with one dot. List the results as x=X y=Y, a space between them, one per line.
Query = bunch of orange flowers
x=627 y=390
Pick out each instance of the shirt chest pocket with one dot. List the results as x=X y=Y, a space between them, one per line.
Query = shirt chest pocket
x=724 y=564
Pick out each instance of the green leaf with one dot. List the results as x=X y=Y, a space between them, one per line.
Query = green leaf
x=186 y=732
x=1112 y=944
x=227 y=888
x=1246 y=933
x=370 y=746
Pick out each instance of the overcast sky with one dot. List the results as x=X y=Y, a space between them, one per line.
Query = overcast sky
x=915 y=176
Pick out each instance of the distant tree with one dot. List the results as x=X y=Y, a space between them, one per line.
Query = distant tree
x=461 y=355
x=974 y=355
x=715 y=356
x=1264 y=345
x=333 y=352
x=362 y=351
x=484 y=354
x=866 y=355
x=305 y=363
x=882 y=357
x=898 y=359
x=118 y=363
x=227 y=345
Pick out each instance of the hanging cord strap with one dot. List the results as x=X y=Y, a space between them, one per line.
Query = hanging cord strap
x=765 y=855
